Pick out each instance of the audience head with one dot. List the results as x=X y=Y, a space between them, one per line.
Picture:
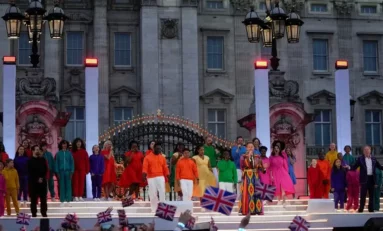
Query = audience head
x=43 y=147
x=9 y=163
x=347 y=149
x=96 y=149
x=314 y=163
x=133 y=146
x=367 y=151
x=179 y=147
x=77 y=145
x=209 y=140
x=249 y=148
x=321 y=155
x=63 y=145
x=157 y=148
x=20 y=151
x=263 y=150
x=239 y=140
x=199 y=150
x=332 y=147
x=36 y=150
x=256 y=142
x=151 y=145
x=186 y=152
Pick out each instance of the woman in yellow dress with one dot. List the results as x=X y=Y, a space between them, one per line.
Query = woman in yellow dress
x=205 y=172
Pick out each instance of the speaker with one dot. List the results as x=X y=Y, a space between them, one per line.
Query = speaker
x=374 y=224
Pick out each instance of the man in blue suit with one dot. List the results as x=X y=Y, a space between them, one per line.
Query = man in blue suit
x=367 y=178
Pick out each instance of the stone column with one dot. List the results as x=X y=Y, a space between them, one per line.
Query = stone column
x=190 y=62
x=52 y=61
x=101 y=44
x=150 y=98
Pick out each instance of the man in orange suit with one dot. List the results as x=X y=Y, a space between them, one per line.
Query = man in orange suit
x=155 y=170
x=325 y=169
x=186 y=173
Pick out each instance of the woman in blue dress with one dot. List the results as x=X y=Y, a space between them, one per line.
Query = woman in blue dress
x=290 y=162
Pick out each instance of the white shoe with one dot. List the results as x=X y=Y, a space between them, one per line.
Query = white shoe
x=76 y=199
x=53 y=199
x=81 y=199
x=95 y=199
x=62 y=204
x=98 y=199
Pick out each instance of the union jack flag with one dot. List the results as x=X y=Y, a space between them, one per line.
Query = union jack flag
x=128 y=201
x=122 y=217
x=166 y=211
x=265 y=191
x=213 y=227
x=190 y=224
x=299 y=224
x=106 y=216
x=23 y=219
x=218 y=200
x=70 y=221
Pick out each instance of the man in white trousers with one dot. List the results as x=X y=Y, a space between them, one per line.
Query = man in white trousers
x=186 y=174
x=227 y=173
x=155 y=170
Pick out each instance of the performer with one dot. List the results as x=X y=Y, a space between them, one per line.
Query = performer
x=109 y=178
x=265 y=175
x=186 y=174
x=177 y=155
x=257 y=145
x=280 y=174
x=38 y=172
x=2 y=190
x=65 y=168
x=314 y=180
x=352 y=178
x=12 y=186
x=324 y=167
x=21 y=165
x=97 y=168
x=250 y=164
x=236 y=153
x=367 y=177
x=3 y=155
x=150 y=148
x=227 y=173
x=212 y=153
x=205 y=172
x=51 y=168
x=347 y=157
x=338 y=184
x=332 y=154
x=81 y=168
x=27 y=148
x=155 y=171
x=132 y=176
x=377 y=189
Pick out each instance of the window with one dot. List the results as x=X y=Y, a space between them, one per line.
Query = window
x=25 y=49
x=373 y=121
x=215 y=52
x=319 y=8
x=214 y=4
x=75 y=48
x=217 y=122
x=320 y=53
x=76 y=125
x=122 y=114
x=370 y=56
x=122 y=49
x=322 y=127
x=368 y=9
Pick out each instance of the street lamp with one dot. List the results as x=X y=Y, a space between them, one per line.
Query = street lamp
x=34 y=19
x=274 y=26
x=253 y=26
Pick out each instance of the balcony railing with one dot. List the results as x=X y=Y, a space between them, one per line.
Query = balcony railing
x=312 y=151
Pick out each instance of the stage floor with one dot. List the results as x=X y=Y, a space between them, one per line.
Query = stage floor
x=276 y=216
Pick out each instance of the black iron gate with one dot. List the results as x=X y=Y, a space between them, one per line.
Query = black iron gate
x=169 y=130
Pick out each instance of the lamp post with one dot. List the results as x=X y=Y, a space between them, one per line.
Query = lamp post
x=34 y=18
x=273 y=27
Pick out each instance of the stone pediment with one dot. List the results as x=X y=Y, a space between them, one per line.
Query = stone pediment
x=322 y=97
x=125 y=90
x=222 y=95
x=371 y=97
x=73 y=91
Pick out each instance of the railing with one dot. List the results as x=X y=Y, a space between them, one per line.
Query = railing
x=313 y=151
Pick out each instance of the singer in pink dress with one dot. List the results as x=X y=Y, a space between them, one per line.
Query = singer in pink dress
x=265 y=175
x=280 y=174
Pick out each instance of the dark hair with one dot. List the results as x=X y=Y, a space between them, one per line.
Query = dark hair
x=239 y=137
x=43 y=145
x=17 y=151
x=280 y=150
x=281 y=146
x=347 y=146
x=63 y=142
x=262 y=148
x=74 y=144
x=256 y=138
x=186 y=149
x=197 y=148
x=2 y=147
x=131 y=143
x=33 y=147
x=335 y=169
x=150 y=143
x=8 y=161
x=157 y=144
x=177 y=145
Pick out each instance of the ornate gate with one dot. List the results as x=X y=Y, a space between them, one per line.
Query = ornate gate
x=169 y=130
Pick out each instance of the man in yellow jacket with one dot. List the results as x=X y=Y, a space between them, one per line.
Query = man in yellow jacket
x=12 y=186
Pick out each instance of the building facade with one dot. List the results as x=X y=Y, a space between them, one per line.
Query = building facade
x=191 y=58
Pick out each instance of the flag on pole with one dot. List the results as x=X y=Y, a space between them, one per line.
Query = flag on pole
x=299 y=224
x=128 y=201
x=166 y=211
x=123 y=221
x=265 y=191
x=106 y=216
x=23 y=219
x=70 y=221
x=190 y=224
x=218 y=200
x=213 y=227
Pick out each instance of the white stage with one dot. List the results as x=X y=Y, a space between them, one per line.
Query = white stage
x=276 y=217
